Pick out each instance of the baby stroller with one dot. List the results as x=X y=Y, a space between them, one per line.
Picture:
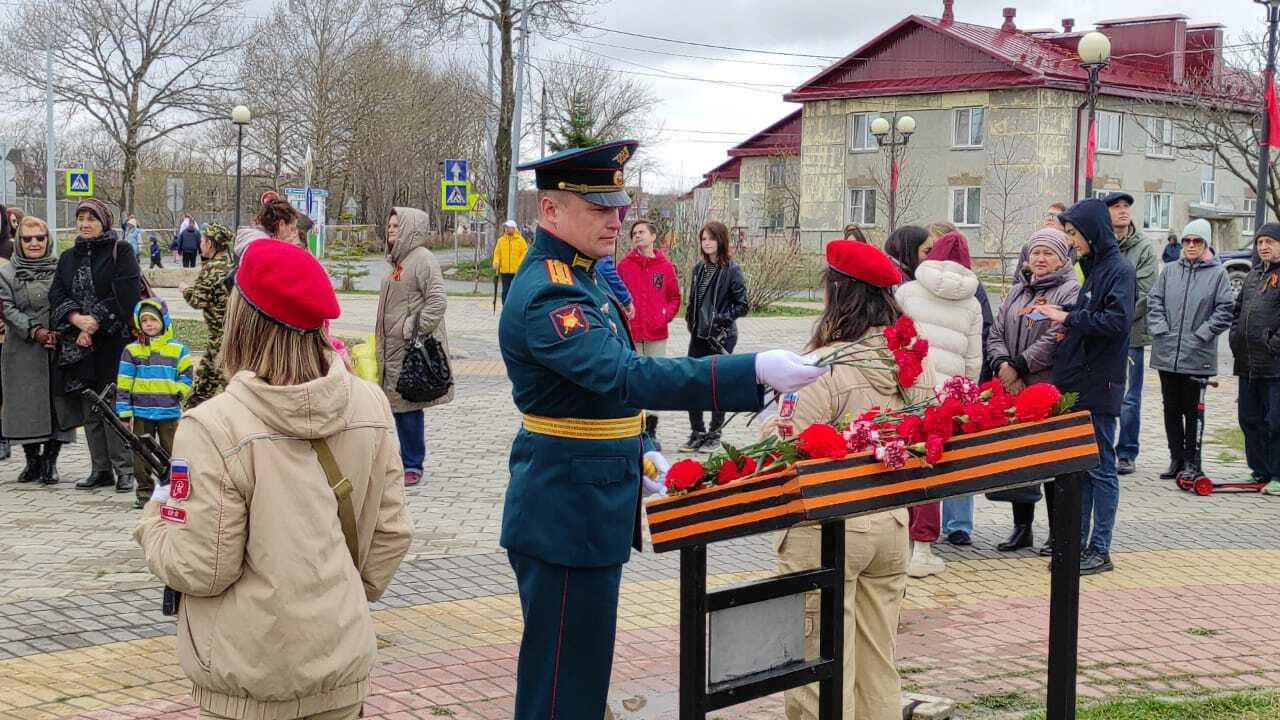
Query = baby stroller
x=1192 y=478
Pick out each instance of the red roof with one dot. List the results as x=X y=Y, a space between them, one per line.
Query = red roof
x=730 y=168
x=780 y=138
x=927 y=55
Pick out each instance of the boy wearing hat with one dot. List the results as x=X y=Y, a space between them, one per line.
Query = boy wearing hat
x=155 y=377
x=508 y=253
x=1146 y=264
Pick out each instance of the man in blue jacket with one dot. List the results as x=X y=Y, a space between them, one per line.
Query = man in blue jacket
x=1091 y=360
x=572 y=512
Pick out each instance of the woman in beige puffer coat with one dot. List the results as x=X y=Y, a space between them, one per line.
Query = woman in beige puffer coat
x=412 y=302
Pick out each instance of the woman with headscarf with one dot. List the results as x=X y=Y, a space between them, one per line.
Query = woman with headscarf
x=209 y=295
x=95 y=288
x=411 y=304
x=1021 y=350
x=32 y=412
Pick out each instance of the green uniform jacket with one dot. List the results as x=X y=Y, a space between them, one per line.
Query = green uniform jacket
x=569 y=355
x=1146 y=263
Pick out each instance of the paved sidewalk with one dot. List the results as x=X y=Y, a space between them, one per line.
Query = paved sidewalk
x=1193 y=605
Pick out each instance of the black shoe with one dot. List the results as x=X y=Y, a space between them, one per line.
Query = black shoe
x=97 y=479
x=1093 y=563
x=124 y=483
x=31 y=473
x=692 y=444
x=1175 y=469
x=1022 y=537
x=1046 y=550
x=959 y=537
x=651 y=429
x=49 y=464
x=139 y=503
x=1124 y=466
x=710 y=442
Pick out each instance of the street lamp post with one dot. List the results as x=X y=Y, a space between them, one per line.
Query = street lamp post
x=241 y=116
x=893 y=135
x=1095 y=51
x=1264 y=144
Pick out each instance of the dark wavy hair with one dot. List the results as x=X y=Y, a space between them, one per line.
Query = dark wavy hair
x=720 y=233
x=275 y=213
x=903 y=246
x=852 y=308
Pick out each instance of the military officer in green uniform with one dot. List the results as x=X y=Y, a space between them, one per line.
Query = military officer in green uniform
x=573 y=504
x=209 y=295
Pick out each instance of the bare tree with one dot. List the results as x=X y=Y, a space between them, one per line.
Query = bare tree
x=585 y=96
x=142 y=71
x=910 y=187
x=1006 y=198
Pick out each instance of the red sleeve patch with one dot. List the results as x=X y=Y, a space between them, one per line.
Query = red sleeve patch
x=568 y=320
x=179 y=479
x=177 y=516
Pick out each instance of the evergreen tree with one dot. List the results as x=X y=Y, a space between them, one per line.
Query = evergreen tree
x=576 y=130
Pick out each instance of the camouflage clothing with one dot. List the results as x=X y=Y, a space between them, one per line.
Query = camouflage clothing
x=210 y=295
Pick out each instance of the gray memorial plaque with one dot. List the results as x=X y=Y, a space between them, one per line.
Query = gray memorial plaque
x=753 y=638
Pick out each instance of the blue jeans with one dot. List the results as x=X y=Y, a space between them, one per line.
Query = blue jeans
x=1131 y=412
x=1259 y=414
x=411 y=429
x=957 y=514
x=1100 y=491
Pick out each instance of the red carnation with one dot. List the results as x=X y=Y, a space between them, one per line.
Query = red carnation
x=1036 y=402
x=920 y=348
x=911 y=429
x=939 y=420
x=894 y=454
x=684 y=475
x=906 y=330
x=933 y=449
x=730 y=471
x=820 y=440
x=891 y=338
x=991 y=389
x=909 y=367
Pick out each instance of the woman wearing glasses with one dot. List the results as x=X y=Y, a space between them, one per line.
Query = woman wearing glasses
x=31 y=409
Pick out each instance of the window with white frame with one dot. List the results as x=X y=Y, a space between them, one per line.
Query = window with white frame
x=1158 y=206
x=1246 y=224
x=777 y=217
x=777 y=173
x=1110 y=128
x=737 y=192
x=968 y=127
x=862 y=206
x=860 y=137
x=1100 y=194
x=1209 y=178
x=1160 y=137
x=966 y=206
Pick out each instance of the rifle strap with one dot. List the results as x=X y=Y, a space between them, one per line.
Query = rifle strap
x=341 y=487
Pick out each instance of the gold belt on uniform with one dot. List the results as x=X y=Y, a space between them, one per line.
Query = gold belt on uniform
x=585 y=428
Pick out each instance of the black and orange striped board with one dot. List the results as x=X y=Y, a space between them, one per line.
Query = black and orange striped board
x=1000 y=459
x=745 y=507
x=1009 y=457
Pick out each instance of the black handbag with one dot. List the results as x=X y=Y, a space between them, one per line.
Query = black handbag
x=425 y=374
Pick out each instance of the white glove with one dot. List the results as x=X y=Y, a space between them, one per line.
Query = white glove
x=785 y=371
x=161 y=493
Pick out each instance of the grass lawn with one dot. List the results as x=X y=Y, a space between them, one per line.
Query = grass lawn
x=1236 y=706
x=374 y=293
x=1231 y=437
x=195 y=335
x=467 y=269
x=787 y=311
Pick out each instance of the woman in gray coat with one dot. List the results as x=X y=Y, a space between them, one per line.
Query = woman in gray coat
x=31 y=410
x=411 y=303
x=1188 y=308
x=1022 y=345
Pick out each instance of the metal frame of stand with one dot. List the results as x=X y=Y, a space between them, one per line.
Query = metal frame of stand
x=697 y=698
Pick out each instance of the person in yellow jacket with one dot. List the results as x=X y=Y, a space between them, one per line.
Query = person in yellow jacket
x=508 y=253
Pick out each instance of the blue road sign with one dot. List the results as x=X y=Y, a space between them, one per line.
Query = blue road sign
x=455 y=196
x=455 y=170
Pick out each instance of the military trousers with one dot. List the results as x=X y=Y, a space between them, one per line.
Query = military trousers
x=163 y=431
x=875 y=581
x=566 y=651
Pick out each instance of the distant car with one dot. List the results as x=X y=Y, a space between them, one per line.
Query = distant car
x=1237 y=263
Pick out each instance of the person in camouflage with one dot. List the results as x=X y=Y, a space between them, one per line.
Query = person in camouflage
x=209 y=294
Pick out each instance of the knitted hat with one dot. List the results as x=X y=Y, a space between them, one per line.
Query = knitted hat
x=1271 y=230
x=862 y=261
x=1199 y=228
x=1054 y=239
x=288 y=285
x=99 y=210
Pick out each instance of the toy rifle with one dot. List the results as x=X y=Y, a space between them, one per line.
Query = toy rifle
x=153 y=455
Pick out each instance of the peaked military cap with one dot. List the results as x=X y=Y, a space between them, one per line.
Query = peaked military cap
x=595 y=172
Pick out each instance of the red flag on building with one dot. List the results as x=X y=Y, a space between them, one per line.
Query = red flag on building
x=1273 y=112
x=1091 y=149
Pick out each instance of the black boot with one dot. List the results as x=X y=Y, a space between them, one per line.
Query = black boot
x=97 y=478
x=31 y=473
x=1046 y=550
x=1022 y=537
x=651 y=429
x=49 y=464
x=1175 y=467
x=124 y=483
x=694 y=441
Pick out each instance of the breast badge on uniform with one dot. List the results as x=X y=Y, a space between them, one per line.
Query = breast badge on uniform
x=569 y=320
x=558 y=272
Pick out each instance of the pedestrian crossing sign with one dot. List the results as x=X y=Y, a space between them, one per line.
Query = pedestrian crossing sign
x=455 y=196
x=79 y=183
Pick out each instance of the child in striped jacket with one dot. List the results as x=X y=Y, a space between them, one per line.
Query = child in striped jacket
x=155 y=376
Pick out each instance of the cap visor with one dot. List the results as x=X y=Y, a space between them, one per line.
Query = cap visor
x=610 y=199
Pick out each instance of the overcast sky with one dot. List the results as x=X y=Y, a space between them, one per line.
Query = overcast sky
x=702 y=120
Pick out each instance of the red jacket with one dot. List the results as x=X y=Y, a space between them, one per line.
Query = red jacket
x=655 y=291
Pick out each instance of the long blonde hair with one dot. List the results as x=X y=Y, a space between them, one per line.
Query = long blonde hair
x=276 y=354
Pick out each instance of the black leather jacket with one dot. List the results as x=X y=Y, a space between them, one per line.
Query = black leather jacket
x=726 y=302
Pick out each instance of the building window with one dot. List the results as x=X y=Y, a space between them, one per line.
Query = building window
x=860 y=137
x=1158 y=205
x=966 y=206
x=968 y=127
x=777 y=218
x=1100 y=194
x=862 y=206
x=1209 y=179
x=1110 y=126
x=1160 y=137
x=1246 y=224
x=737 y=192
x=777 y=173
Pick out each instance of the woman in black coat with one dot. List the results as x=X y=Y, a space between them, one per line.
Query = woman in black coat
x=717 y=298
x=97 y=285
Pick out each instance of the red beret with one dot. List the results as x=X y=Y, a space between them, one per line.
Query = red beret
x=862 y=261
x=287 y=285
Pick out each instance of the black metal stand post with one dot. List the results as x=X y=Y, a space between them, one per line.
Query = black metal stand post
x=1091 y=150
x=831 y=644
x=693 y=632
x=239 y=150
x=1064 y=598
x=1264 y=146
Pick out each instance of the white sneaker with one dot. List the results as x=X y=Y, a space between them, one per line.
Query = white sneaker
x=923 y=562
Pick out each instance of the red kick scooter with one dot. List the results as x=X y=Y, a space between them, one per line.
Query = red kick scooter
x=1193 y=478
